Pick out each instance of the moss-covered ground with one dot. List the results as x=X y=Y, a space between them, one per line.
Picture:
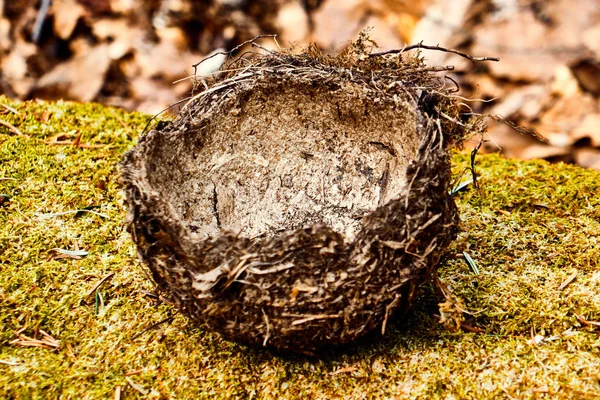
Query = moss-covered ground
x=75 y=325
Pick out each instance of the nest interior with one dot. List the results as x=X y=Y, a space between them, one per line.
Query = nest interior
x=301 y=199
x=287 y=158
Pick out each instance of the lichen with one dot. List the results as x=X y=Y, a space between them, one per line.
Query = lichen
x=528 y=227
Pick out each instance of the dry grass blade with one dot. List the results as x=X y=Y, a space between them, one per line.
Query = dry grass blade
x=100 y=282
x=472 y=264
x=117 y=393
x=46 y=341
x=136 y=387
x=10 y=363
x=569 y=279
x=11 y=109
x=586 y=321
x=12 y=128
x=57 y=254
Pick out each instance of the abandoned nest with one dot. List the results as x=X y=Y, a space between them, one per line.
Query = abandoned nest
x=300 y=200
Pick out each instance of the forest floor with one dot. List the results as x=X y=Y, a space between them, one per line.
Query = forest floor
x=79 y=316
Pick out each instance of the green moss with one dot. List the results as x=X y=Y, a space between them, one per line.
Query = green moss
x=529 y=227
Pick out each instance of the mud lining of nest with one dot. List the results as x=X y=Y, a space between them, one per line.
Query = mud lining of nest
x=300 y=200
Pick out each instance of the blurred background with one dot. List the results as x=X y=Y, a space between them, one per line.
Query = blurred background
x=129 y=53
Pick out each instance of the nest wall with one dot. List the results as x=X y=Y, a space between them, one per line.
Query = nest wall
x=233 y=204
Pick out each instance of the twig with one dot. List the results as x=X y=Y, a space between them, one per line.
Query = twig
x=420 y=45
x=9 y=108
x=472 y=166
x=228 y=53
x=12 y=128
x=137 y=387
x=97 y=285
x=169 y=318
x=39 y=20
x=521 y=129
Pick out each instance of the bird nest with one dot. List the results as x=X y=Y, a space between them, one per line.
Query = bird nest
x=300 y=200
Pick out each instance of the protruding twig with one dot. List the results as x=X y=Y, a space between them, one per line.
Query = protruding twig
x=39 y=20
x=420 y=45
x=521 y=129
x=230 y=52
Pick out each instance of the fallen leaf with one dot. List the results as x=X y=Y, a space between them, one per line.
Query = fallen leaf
x=588 y=158
x=66 y=15
x=15 y=68
x=587 y=73
x=80 y=78
x=293 y=23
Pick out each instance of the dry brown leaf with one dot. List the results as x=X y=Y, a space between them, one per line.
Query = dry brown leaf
x=15 y=68
x=587 y=73
x=588 y=158
x=59 y=137
x=123 y=6
x=525 y=102
x=80 y=78
x=66 y=15
x=530 y=47
x=589 y=128
x=517 y=145
x=442 y=20
x=384 y=31
x=293 y=23
x=5 y=41
x=591 y=39
x=512 y=39
x=336 y=22
x=559 y=123
x=393 y=21
x=120 y=35
x=58 y=140
x=564 y=82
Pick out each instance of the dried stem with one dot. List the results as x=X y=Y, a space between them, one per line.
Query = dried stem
x=420 y=45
